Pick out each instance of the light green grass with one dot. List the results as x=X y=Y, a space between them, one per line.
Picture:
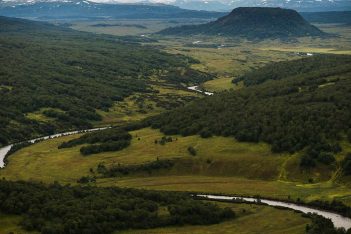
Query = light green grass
x=220 y=84
x=44 y=161
x=221 y=165
x=236 y=186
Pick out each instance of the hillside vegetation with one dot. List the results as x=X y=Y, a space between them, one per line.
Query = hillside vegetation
x=309 y=107
x=52 y=78
x=64 y=209
x=252 y=23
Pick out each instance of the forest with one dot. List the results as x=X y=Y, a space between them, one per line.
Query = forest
x=303 y=103
x=63 y=209
x=66 y=75
x=113 y=139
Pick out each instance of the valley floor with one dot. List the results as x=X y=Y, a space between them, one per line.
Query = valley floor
x=221 y=165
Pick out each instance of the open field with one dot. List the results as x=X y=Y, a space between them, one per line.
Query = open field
x=236 y=186
x=225 y=57
x=222 y=165
x=43 y=161
x=250 y=219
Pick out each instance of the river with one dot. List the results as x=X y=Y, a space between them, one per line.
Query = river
x=339 y=221
x=196 y=89
x=4 y=150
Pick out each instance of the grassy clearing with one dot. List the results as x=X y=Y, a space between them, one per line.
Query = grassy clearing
x=43 y=161
x=236 y=185
x=142 y=105
x=220 y=84
x=39 y=115
x=250 y=219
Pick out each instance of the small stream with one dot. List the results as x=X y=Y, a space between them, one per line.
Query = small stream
x=339 y=221
x=196 y=89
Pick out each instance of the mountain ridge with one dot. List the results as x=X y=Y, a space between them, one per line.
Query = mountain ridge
x=222 y=5
x=88 y=9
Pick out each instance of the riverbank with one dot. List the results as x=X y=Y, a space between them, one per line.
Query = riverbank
x=338 y=220
x=6 y=149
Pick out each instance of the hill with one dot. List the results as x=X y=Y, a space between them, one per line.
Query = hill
x=290 y=105
x=253 y=23
x=77 y=9
x=53 y=78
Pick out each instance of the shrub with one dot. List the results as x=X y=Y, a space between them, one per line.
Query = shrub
x=192 y=150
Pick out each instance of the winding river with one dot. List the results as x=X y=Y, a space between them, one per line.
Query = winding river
x=339 y=221
x=4 y=150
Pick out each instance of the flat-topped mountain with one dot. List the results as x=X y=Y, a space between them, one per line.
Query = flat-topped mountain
x=253 y=23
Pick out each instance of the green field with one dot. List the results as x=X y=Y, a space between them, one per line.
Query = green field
x=226 y=58
x=222 y=165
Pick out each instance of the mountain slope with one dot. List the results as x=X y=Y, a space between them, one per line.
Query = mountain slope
x=62 y=76
x=289 y=105
x=87 y=9
x=253 y=23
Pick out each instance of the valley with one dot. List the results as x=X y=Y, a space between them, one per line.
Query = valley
x=182 y=140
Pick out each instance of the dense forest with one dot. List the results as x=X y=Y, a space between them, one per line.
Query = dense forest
x=67 y=75
x=314 y=67
x=302 y=103
x=64 y=209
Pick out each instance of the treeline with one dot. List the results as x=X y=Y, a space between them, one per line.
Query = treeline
x=122 y=170
x=322 y=152
x=334 y=205
x=64 y=76
x=321 y=225
x=61 y=209
x=300 y=110
x=113 y=139
x=346 y=165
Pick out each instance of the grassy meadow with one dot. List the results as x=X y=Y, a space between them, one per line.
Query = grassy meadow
x=225 y=57
x=221 y=165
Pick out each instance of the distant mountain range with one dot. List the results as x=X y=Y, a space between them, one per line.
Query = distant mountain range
x=253 y=23
x=83 y=9
x=299 y=5
x=88 y=9
x=221 y=5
